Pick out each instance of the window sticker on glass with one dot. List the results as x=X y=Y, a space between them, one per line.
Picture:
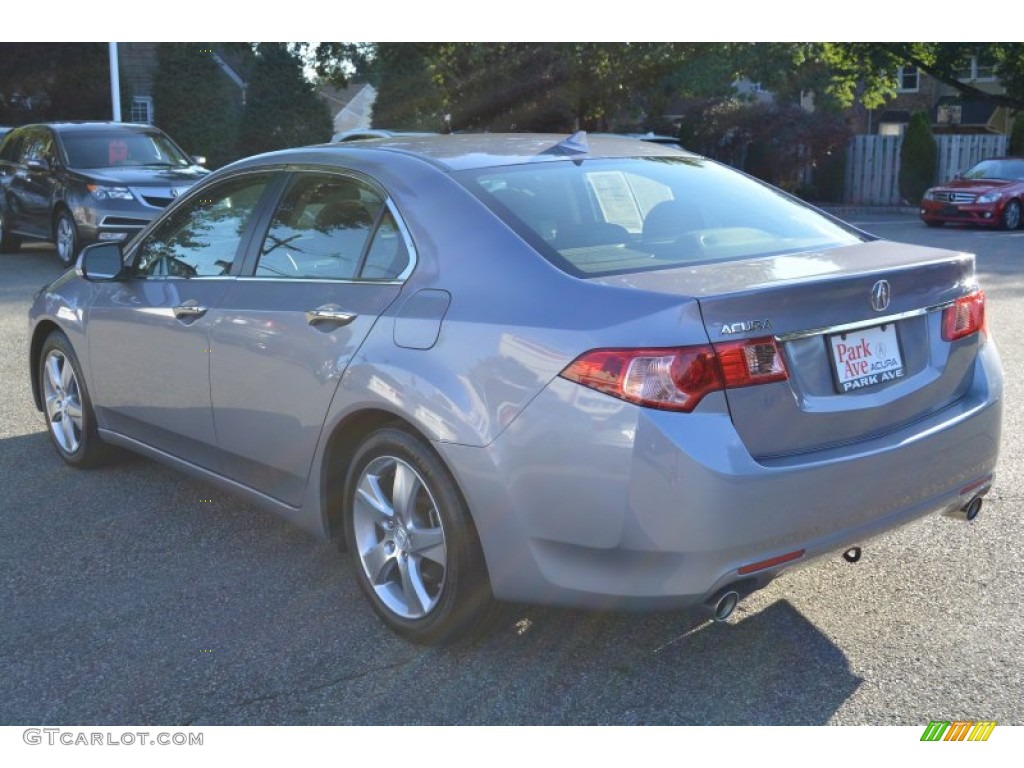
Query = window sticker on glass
x=616 y=199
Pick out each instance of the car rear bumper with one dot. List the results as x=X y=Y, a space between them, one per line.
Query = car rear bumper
x=585 y=501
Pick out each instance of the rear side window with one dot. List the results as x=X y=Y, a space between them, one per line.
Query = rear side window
x=332 y=227
x=606 y=216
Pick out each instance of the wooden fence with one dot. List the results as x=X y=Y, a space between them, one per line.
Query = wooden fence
x=873 y=164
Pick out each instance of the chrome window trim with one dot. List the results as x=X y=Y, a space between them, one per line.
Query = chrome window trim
x=844 y=327
x=334 y=280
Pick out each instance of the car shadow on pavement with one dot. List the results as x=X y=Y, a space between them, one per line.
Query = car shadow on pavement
x=135 y=595
x=763 y=667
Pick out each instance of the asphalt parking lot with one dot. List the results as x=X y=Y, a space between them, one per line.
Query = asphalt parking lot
x=135 y=595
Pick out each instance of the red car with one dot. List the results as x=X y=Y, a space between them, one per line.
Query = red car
x=989 y=194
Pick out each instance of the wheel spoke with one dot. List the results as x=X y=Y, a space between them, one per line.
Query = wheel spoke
x=53 y=373
x=428 y=543
x=67 y=375
x=378 y=563
x=371 y=497
x=51 y=407
x=403 y=493
x=74 y=410
x=416 y=598
x=67 y=429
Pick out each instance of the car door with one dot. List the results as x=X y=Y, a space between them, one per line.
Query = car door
x=30 y=187
x=329 y=261
x=148 y=334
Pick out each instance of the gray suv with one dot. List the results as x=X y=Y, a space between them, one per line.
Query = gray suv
x=75 y=183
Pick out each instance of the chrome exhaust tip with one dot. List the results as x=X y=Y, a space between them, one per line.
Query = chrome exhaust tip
x=725 y=605
x=973 y=508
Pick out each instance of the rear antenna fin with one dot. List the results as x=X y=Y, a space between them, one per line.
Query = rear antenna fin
x=576 y=143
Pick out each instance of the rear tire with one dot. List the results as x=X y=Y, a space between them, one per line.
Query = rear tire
x=414 y=548
x=9 y=243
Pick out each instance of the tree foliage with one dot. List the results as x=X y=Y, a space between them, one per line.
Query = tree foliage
x=778 y=143
x=1017 y=136
x=282 y=108
x=867 y=71
x=533 y=86
x=919 y=155
x=195 y=102
x=54 y=81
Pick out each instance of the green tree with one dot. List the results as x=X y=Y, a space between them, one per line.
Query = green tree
x=282 y=108
x=919 y=154
x=537 y=86
x=54 y=81
x=1017 y=136
x=195 y=102
x=867 y=71
x=408 y=96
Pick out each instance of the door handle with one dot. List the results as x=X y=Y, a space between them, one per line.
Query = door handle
x=189 y=310
x=330 y=314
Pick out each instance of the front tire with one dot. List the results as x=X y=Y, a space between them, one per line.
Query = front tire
x=70 y=421
x=933 y=222
x=65 y=235
x=1011 y=216
x=413 y=544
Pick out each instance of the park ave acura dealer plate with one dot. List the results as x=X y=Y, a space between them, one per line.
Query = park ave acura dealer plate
x=866 y=358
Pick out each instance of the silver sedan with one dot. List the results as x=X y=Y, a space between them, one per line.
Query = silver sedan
x=598 y=373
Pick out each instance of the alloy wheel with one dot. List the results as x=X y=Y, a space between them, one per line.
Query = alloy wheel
x=399 y=537
x=1011 y=217
x=65 y=239
x=63 y=399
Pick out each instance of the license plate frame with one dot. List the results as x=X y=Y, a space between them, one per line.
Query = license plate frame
x=866 y=358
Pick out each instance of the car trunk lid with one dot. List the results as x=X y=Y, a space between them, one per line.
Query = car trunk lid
x=860 y=331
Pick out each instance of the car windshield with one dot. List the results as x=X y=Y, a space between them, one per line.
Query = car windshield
x=997 y=169
x=119 y=149
x=606 y=216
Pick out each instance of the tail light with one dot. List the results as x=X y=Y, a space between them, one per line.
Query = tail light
x=965 y=317
x=677 y=378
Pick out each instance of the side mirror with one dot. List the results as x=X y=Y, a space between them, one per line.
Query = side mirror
x=199 y=159
x=37 y=166
x=101 y=262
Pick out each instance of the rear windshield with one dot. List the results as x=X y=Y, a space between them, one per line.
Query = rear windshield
x=119 y=149
x=605 y=216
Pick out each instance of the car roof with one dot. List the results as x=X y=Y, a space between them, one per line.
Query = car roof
x=87 y=126
x=454 y=152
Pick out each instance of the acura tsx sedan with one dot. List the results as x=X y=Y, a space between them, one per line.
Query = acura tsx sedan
x=595 y=373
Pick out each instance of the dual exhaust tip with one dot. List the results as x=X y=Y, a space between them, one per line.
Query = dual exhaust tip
x=724 y=602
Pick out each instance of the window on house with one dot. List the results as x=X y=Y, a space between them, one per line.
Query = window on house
x=142 y=110
x=974 y=69
x=908 y=79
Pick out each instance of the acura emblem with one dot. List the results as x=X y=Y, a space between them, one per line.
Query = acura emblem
x=174 y=192
x=880 y=293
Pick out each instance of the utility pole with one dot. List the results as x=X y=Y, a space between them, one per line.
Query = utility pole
x=115 y=83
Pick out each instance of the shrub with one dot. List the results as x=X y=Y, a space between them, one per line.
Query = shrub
x=1017 y=136
x=919 y=154
x=782 y=144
